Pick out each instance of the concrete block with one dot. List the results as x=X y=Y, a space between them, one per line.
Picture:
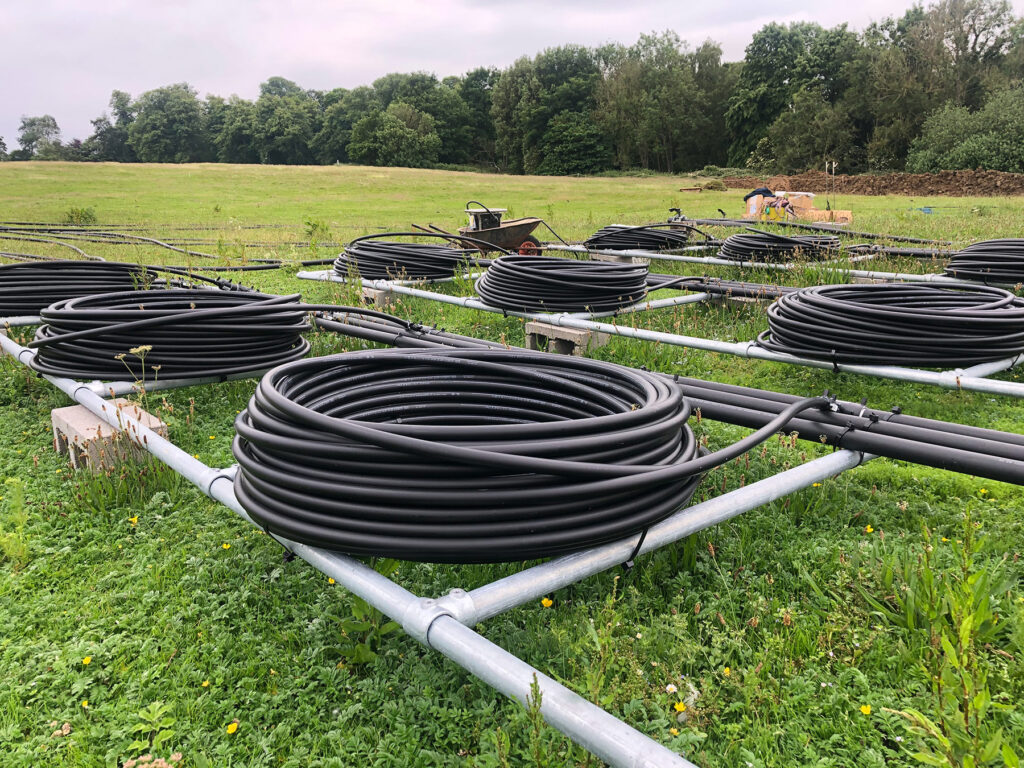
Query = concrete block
x=92 y=443
x=617 y=258
x=564 y=341
x=376 y=297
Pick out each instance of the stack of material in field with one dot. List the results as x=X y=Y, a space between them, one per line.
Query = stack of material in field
x=990 y=261
x=649 y=237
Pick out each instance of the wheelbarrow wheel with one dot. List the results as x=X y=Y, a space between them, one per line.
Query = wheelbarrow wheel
x=530 y=246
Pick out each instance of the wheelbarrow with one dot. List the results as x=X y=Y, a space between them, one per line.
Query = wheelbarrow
x=486 y=228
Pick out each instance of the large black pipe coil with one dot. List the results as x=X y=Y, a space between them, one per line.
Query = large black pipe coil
x=924 y=324
x=27 y=288
x=375 y=257
x=468 y=455
x=990 y=261
x=649 y=237
x=766 y=247
x=546 y=284
x=179 y=333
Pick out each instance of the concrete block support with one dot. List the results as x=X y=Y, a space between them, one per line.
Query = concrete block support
x=376 y=297
x=617 y=258
x=90 y=442
x=565 y=341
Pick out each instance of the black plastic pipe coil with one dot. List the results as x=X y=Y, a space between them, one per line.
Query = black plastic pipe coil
x=766 y=247
x=376 y=258
x=650 y=237
x=27 y=288
x=178 y=333
x=986 y=453
x=546 y=284
x=921 y=324
x=990 y=261
x=468 y=455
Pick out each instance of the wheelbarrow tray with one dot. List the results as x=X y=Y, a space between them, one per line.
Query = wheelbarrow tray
x=510 y=235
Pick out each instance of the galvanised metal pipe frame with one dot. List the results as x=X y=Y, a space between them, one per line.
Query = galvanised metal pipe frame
x=866 y=274
x=385 y=286
x=444 y=624
x=678 y=254
x=972 y=378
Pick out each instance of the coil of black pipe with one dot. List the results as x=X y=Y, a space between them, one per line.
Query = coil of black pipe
x=547 y=284
x=649 y=237
x=380 y=257
x=177 y=333
x=990 y=261
x=987 y=453
x=770 y=248
x=468 y=455
x=924 y=324
x=28 y=287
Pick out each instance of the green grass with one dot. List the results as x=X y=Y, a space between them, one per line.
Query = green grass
x=777 y=596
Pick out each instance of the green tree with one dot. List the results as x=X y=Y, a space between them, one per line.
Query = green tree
x=476 y=89
x=514 y=95
x=236 y=140
x=330 y=144
x=955 y=138
x=168 y=125
x=530 y=93
x=109 y=139
x=573 y=144
x=649 y=102
x=779 y=61
x=400 y=135
x=287 y=120
x=3 y=149
x=811 y=131
x=440 y=100
x=39 y=136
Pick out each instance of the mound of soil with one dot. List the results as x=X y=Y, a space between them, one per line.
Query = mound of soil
x=953 y=183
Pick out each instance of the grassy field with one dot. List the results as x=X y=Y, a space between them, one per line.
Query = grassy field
x=781 y=632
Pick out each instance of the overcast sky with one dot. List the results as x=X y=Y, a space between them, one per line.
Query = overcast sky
x=64 y=57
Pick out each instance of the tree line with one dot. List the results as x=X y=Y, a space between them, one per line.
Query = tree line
x=939 y=87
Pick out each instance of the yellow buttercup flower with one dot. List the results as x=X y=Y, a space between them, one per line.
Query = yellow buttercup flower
x=816 y=485
x=87 y=660
x=225 y=546
x=868 y=529
x=726 y=671
x=674 y=731
x=865 y=709
x=85 y=704
x=232 y=726
x=133 y=520
x=679 y=706
x=330 y=580
x=547 y=602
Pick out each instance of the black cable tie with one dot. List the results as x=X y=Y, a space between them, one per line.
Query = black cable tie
x=288 y=555
x=631 y=560
x=835 y=363
x=849 y=428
